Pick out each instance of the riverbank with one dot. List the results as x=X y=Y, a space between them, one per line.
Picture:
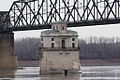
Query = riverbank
x=83 y=63
x=100 y=62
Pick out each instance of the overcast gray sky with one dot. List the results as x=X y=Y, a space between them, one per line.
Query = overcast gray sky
x=99 y=31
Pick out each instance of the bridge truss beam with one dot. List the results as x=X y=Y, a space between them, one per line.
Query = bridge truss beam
x=40 y=14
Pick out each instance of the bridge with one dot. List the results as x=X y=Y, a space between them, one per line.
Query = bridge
x=39 y=14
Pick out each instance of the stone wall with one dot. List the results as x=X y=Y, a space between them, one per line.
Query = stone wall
x=58 y=61
x=7 y=55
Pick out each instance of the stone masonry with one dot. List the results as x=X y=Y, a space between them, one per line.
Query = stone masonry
x=7 y=55
x=59 y=49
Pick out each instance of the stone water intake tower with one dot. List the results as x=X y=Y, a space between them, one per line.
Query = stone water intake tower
x=59 y=49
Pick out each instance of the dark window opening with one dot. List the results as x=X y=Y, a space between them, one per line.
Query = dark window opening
x=62 y=28
x=56 y=28
x=52 y=45
x=73 y=45
x=63 y=44
x=52 y=39
x=73 y=39
x=53 y=28
x=41 y=39
x=41 y=44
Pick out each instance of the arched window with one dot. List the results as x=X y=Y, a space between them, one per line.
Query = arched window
x=52 y=45
x=62 y=28
x=73 y=45
x=63 y=43
x=73 y=39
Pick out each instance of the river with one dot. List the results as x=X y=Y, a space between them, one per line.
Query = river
x=88 y=73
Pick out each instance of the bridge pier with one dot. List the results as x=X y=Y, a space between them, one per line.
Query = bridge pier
x=7 y=55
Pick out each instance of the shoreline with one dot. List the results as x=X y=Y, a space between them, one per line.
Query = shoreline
x=83 y=63
x=100 y=62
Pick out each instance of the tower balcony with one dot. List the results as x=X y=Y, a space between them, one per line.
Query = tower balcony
x=59 y=49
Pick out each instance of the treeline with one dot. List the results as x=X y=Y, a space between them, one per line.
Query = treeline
x=90 y=48
x=99 y=48
x=27 y=49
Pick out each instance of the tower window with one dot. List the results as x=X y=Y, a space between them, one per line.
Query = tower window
x=73 y=39
x=56 y=28
x=62 y=28
x=73 y=45
x=53 y=28
x=41 y=44
x=41 y=39
x=63 y=43
x=52 y=39
x=52 y=45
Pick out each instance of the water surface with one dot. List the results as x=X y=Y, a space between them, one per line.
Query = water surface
x=88 y=73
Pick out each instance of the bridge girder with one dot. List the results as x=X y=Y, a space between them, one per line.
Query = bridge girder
x=39 y=14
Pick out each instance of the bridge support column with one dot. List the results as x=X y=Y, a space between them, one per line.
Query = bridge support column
x=7 y=55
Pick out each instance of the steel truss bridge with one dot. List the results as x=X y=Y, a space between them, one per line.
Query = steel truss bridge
x=40 y=14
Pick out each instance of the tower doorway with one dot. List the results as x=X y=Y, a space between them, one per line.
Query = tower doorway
x=63 y=44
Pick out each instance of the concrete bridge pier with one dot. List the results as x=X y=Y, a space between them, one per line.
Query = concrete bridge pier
x=7 y=54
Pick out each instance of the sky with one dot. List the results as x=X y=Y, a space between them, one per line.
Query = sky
x=112 y=30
